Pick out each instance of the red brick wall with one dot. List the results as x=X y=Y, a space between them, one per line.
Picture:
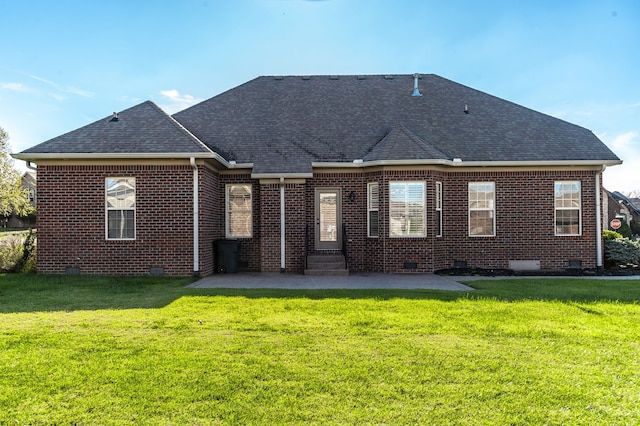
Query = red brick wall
x=270 y=227
x=525 y=227
x=71 y=220
x=211 y=217
x=524 y=221
x=295 y=214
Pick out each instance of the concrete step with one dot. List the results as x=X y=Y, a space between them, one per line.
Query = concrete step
x=327 y=272
x=329 y=265
x=326 y=262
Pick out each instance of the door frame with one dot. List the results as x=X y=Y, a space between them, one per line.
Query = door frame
x=328 y=245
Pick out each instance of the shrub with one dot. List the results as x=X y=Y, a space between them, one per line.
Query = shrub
x=624 y=229
x=10 y=252
x=18 y=253
x=622 y=251
x=610 y=235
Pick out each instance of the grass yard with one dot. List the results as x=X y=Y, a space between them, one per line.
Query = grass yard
x=87 y=350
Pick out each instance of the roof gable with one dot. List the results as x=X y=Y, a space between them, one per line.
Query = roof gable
x=141 y=129
x=402 y=144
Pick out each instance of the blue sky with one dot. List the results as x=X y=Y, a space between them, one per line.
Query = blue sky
x=64 y=64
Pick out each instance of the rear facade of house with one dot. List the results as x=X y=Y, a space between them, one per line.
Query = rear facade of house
x=395 y=173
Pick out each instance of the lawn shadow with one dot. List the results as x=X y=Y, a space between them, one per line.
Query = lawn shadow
x=44 y=293
x=508 y=290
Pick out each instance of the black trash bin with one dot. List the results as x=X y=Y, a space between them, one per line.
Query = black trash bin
x=227 y=255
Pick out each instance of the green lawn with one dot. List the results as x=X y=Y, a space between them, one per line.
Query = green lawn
x=86 y=350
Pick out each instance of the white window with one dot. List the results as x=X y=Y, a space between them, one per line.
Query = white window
x=438 y=209
x=482 y=209
x=120 y=195
x=407 y=209
x=239 y=211
x=372 y=209
x=567 y=208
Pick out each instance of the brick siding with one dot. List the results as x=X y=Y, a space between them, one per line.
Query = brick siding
x=71 y=221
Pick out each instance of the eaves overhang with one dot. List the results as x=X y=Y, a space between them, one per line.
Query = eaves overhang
x=460 y=163
x=36 y=157
x=281 y=175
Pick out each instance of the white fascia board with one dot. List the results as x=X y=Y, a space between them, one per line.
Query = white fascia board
x=123 y=156
x=281 y=175
x=459 y=163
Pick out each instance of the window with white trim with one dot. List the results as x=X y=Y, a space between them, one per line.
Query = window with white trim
x=407 y=209
x=120 y=206
x=438 y=209
x=372 y=209
x=568 y=209
x=239 y=215
x=482 y=209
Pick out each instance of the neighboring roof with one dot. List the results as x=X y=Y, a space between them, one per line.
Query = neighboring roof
x=619 y=197
x=286 y=125
x=141 y=129
x=281 y=124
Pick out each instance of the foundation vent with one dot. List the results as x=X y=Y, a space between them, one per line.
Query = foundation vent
x=524 y=265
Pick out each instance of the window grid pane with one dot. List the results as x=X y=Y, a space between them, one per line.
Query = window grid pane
x=120 y=196
x=407 y=209
x=438 y=209
x=372 y=209
x=482 y=209
x=239 y=211
x=567 y=207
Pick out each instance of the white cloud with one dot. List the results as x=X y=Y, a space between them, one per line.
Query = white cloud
x=17 y=87
x=58 y=97
x=61 y=89
x=178 y=102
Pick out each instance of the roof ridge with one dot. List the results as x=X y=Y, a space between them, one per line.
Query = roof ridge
x=179 y=126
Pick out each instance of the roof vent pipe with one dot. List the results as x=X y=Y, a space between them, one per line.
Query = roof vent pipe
x=114 y=117
x=416 y=92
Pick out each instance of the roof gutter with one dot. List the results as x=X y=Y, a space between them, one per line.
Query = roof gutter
x=118 y=156
x=281 y=175
x=456 y=162
x=27 y=157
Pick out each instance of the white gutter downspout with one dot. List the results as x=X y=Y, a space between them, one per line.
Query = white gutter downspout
x=282 y=227
x=196 y=203
x=30 y=167
x=599 y=220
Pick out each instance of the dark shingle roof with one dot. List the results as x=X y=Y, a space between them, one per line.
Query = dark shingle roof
x=282 y=124
x=402 y=144
x=142 y=129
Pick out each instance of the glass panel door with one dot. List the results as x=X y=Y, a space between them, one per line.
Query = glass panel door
x=328 y=219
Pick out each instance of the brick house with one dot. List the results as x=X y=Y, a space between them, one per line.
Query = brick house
x=402 y=173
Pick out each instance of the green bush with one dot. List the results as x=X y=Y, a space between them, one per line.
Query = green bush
x=624 y=229
x=621 y=251
x=10 y=252
x=18 y=253
x=607 y=234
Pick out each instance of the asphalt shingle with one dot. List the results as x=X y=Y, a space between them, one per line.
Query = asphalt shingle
x=141 y=129
x=284 y=123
